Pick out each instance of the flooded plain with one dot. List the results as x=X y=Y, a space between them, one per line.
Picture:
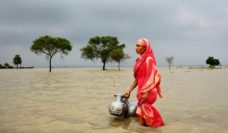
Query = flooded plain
x=75 y=100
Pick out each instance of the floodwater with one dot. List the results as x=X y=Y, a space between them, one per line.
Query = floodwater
x=75 y=100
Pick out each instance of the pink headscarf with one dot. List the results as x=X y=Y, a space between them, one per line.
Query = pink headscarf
x=149 y=51
x=147 y=62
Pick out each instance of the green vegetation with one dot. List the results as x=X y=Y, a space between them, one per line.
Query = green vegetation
x=169 y=59
x=17 y=60
x=104 y=48
x=212 y=62
x=118 y=55
x=5 y=66
x=50 y=46
x=198 y=67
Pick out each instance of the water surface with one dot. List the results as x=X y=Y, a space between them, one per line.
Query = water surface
x=75 y=100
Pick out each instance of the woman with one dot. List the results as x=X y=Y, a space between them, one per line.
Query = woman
x=148 y=78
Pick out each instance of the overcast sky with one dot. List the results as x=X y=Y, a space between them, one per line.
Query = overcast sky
x=189 y=30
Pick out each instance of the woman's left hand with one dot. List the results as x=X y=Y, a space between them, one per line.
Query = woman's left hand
x=144 y=96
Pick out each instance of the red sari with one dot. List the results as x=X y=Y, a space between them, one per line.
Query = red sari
x=148 y=78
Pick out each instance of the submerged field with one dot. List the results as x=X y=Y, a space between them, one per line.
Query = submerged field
x=76 y=100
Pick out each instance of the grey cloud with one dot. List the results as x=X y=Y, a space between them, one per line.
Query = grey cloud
x=174 y=27
x=22 y=14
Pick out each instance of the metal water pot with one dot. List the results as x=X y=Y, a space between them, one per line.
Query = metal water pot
x=121 y=107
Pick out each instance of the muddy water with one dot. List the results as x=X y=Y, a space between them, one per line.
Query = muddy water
x=75 y=100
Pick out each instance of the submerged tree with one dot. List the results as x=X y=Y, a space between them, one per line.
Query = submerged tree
x=212 y=62
x=17 y=60
x=50 y=46
x=118 y=55
x=100 y=48
x=170 y=60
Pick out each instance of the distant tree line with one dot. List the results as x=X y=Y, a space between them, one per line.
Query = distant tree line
x=6 y=65
x=211 y=61
x=105 y=48
x=16 y=60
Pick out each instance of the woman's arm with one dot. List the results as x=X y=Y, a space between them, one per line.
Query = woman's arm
x=128 y=92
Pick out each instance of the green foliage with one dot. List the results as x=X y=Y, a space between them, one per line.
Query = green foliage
x=217 y=62
x=17 y=60
x=100 y=48
x=50 y=46
x=118 y=55
x=6 y=65
x=89 y=52
x=212 y=62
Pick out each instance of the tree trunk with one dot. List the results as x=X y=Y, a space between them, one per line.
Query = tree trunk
x=169 y=66
x=119 y=66
x=50 y=63
x=104 y=65
x=17 y=66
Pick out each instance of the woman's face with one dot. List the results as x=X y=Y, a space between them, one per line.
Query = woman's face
x=140 y=47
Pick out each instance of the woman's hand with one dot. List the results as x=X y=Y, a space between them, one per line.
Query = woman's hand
x=127 y=94
x=144 y=96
